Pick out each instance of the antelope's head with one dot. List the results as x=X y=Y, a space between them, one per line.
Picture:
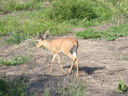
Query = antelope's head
x=41 y=40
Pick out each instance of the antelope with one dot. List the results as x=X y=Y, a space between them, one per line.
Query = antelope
x=68 y=46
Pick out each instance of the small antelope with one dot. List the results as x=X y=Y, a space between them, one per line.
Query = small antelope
x=66 y=45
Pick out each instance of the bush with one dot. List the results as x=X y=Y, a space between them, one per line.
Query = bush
x=12 y=87
x=79 y=10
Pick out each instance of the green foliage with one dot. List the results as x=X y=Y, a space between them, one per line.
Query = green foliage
x=122 y=87
x=110 y=34
x=14 y=61
x=29 y=23
x=78 y=10
x=58 y=18
x=14 y=87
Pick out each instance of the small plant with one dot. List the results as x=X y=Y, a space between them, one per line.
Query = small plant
x=122 y=87
x=14 y=61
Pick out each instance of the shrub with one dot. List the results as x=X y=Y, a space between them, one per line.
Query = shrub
x=79 y=10
x=14 y=87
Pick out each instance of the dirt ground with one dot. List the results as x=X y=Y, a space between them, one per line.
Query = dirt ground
x=100 y=65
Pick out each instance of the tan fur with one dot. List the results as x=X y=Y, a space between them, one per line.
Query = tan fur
x=64 y=45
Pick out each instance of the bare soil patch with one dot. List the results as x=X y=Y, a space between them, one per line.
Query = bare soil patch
x=99 y=65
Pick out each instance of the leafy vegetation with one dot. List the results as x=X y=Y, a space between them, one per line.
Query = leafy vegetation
x=78 y=10
x=14 y=87
x=110 y=34
x=14 y=61
x=59 y=16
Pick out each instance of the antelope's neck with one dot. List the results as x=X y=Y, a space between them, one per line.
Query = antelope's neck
x=47 y=44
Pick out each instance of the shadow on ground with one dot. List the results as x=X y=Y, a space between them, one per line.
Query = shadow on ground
x=41 y=83
x=88 y=70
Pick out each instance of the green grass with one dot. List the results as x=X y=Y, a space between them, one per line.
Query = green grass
x=110 y=34
x=14 y=60
x=22 y=18
x=17 y=5
x=31 y=23
x=14 y=87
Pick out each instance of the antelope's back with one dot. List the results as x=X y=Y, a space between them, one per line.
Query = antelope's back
x=65 y=44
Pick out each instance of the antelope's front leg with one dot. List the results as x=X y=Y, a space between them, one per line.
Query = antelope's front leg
x=53 y=59
x=60 y=64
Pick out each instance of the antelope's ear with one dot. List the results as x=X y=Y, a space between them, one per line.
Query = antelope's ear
x=39 y=36
x=46 y=34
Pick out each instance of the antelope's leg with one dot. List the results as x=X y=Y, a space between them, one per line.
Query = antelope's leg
x=70 y=70
x=77 y=69
x=60 y=63
x=73 y=59
x=53 y=59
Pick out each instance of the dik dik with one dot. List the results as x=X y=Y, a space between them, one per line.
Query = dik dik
x=66 y=45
